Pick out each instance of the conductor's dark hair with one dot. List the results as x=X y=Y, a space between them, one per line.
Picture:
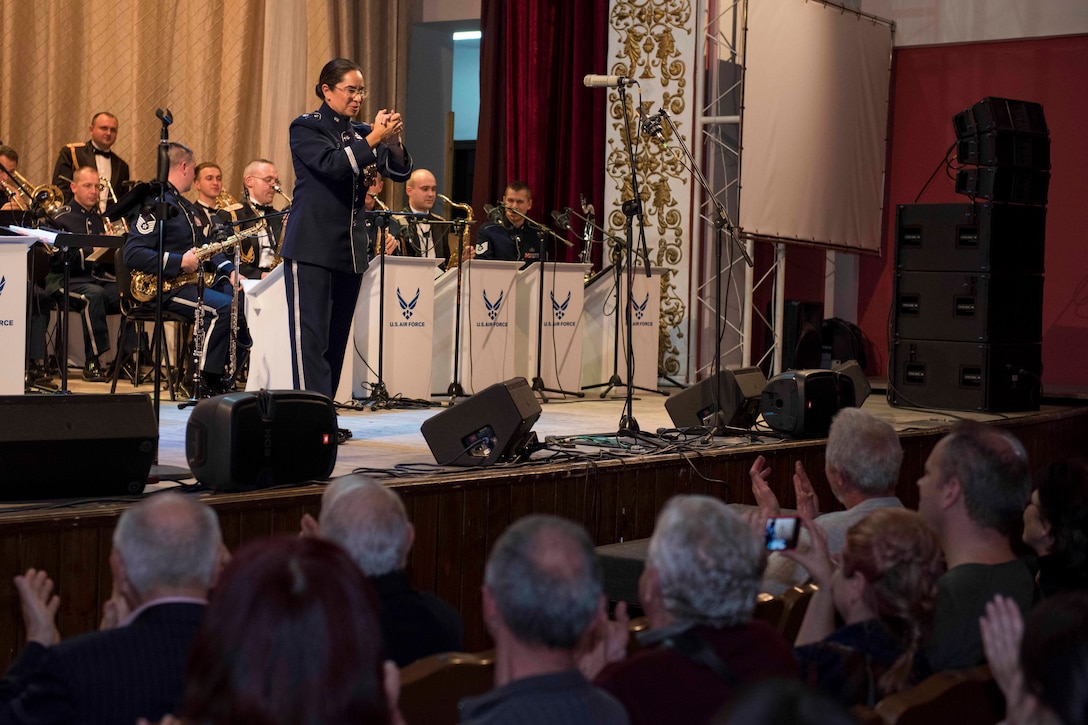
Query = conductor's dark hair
x=291 y=635
x=333 y=73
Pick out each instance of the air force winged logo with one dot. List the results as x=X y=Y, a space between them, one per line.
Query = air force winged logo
x=3 y=282
x=407 y=308
x=559 y=309
x=640 y=310
x=493 y=307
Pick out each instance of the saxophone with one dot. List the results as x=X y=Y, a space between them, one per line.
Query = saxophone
x=143 y=285
x=455 y=253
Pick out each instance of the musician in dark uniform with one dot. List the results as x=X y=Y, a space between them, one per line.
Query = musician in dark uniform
x=325 y=245
x=257 y=250
x=92 y=290
x=508 y=237
x=208 y=183
x=183 y=231
x=96 y=153
x=373 y=203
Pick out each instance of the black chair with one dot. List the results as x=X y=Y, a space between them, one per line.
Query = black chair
x=135 y=312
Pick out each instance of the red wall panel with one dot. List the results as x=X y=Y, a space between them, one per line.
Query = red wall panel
x=930 y=85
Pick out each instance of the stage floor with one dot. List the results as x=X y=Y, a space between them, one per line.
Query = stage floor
x=390 y=441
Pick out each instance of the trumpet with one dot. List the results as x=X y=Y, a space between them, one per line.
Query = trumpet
x=225 y=201
x=46 y=196
x=455 y=253
x=117 y=228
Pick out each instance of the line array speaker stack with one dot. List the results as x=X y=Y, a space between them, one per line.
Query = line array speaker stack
x=967 y=322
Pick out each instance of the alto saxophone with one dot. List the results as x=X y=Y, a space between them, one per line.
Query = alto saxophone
x=143 y=285
x=455 y=253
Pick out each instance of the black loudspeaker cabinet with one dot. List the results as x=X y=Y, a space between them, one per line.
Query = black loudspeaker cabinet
x=968 y=307
x=492 y=425
x=851 y=369
x=966 y=376
x=248 y=441
x=802 y=403
x=1005 y=148
x=1000 y=114
x=1008 y=184
x=75 y=446
x=802 y=340
x=991 y=237
x=737 y=400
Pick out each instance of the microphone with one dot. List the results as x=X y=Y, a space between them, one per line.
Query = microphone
x=561 y=219
x=651 y=126
x=596 y=81
x=494 y=213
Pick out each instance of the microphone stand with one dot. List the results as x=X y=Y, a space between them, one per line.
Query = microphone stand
x=722 y=225
x=538 y=386
x=162 y=214
x=455 y=389
x=379 y=397
x=614 y=381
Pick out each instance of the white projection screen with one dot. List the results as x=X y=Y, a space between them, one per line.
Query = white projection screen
x=816 y=90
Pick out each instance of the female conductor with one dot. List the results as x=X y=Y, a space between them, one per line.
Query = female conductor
x=325 y=243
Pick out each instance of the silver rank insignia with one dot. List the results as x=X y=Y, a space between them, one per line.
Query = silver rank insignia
x=481 y=247
x=145 y=224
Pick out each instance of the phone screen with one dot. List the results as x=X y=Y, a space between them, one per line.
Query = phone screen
x=782 y=532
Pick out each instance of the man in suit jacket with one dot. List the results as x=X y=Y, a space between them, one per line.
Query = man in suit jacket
x=369 y=521
x=96 y=153
x=166 y=553
x=422 y=238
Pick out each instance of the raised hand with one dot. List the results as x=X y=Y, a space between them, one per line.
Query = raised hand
x=760 y=473
x=807 y=503
x=39 y=606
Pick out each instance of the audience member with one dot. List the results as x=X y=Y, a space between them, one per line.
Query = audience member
x=291 y=636
x=884 y=588
x=369 y=521
x=698 y=590
x=862 y=467
x=1042 y=668
x=972 y=492
x=1056 y=526
x=783 y=702
x=542 y=595
x=166 y=554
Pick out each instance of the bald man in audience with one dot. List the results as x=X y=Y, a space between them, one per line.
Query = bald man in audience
x=369 y=521
x=973 y=491
x=861 y=463
x=167 y=551
x=542 y=597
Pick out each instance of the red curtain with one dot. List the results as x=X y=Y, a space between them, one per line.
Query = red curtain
x=538 y=123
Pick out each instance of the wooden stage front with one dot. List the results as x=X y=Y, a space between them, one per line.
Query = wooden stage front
x=458 y=513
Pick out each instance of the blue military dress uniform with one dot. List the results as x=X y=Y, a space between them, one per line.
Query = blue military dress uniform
x=184 y=231
x=325 y=241
x=504 y=241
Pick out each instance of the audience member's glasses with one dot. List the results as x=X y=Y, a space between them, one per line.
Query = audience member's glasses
x=353 y=92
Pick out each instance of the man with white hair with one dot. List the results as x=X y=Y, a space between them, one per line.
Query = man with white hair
x=698 y=590
x=861 y=463
x=368 y=521
x=166 y=554
x=542 y=595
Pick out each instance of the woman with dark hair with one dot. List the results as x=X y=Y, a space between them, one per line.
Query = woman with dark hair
x=325 y=242
x=885 y=589
x=1056 y=526
x=291 y=636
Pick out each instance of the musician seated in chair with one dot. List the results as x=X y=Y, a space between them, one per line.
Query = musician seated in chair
x=210 y=199
x=373 y=202
x=183 y=231
x=420 y=237
x=506 y=236
x=92 y=289
x=257 y=248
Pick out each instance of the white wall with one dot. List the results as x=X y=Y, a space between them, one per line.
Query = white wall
x=934 y=22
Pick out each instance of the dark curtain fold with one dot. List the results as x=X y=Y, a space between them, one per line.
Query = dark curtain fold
x=538 y=123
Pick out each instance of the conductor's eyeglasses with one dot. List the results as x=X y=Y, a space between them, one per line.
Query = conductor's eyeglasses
x=359 y=93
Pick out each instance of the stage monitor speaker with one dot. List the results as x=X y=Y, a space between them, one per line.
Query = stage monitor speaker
x=75 y=446
x=991 y=237
x=1013 y=185
x=493 y=425
x=802 y=403
x=736 y=402
x=968 y=307
x=966 y=375
x=249 y=441
x=851 y=369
